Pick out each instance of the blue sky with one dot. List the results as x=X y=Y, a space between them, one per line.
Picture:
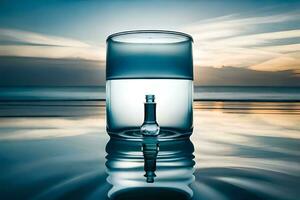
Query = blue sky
x=240 y=37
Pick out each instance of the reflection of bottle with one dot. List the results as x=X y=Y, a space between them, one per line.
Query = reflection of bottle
x=150 y=126
x=150 y=130
x=150 y=150
x=174 y=169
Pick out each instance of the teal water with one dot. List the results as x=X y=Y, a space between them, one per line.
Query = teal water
x=238 y=150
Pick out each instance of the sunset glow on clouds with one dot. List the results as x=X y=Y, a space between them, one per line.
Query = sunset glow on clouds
x=236 y=41
x=241 y=37
x=29 y=44
x=223 y=41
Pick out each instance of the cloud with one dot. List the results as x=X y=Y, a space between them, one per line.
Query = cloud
x=289 y=48
x=30 y=44
x=244 y=77
x=35 y=38
x=28 y=71
x=251 y=42
x=236 y=21
x=90 y=53
x=281 y=63
x=258 y=39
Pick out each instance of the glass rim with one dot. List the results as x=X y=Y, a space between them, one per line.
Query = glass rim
x=183 y=37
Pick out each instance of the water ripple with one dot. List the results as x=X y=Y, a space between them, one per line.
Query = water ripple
x=238 y=150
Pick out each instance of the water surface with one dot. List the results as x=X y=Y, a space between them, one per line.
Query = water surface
x=57 y=149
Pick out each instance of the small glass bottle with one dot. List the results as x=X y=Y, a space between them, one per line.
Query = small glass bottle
x=150 y=126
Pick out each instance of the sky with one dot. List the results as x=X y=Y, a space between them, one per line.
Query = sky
x=59 y=43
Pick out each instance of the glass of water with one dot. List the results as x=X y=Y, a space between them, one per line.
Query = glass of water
x=146 y=62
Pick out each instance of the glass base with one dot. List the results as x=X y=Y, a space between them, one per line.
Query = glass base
x=164 y=134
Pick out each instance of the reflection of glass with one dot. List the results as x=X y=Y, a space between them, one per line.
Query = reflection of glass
x=149 y=62
x=126 y=165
